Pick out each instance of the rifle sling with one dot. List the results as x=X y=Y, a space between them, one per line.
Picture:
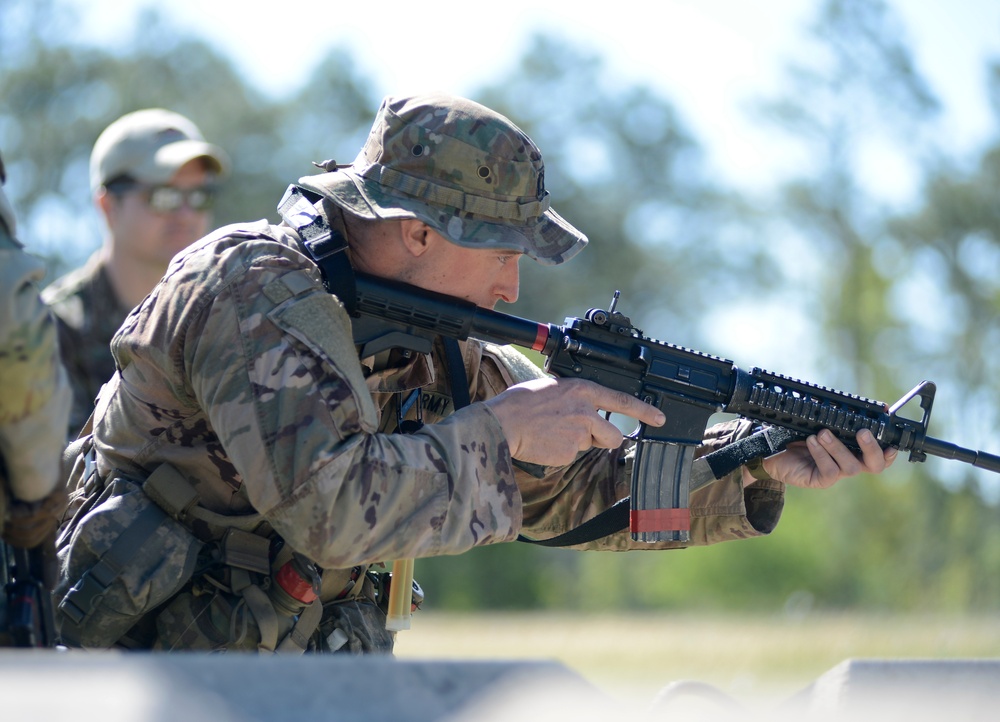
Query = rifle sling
x=610 y=521
x=326 y=245
x=458 y=380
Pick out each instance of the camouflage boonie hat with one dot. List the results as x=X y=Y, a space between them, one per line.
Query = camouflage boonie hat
x=459 y=167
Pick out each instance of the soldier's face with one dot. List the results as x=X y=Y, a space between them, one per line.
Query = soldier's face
x=481 y=275
x=145 y=228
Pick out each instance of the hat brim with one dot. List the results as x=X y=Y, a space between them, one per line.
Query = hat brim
x=168 y=159
x=548 y=238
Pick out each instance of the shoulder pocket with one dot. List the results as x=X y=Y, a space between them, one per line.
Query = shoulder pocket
x=320 y=322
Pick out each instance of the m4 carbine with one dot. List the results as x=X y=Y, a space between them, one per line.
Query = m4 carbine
x=687 y=386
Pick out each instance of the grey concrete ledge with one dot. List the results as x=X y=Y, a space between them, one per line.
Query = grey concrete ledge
x=141 y=687
x=43 y=685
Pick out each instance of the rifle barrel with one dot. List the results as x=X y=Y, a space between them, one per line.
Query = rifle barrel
x=948 y=450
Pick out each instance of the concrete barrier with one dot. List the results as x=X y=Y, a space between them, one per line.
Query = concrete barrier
x=856 y=690
x=139 y=687
x=136 y=687
x=919 y=690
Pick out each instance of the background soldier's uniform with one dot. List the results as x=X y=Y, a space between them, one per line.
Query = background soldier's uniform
x=87 y=314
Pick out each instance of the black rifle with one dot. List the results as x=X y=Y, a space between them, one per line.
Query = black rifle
x=26 y=618
x=687 y=386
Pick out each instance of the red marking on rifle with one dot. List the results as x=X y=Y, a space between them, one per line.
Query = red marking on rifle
x=660 y=520
x=540 y=338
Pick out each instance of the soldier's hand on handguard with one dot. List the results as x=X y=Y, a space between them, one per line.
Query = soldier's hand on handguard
x=822 y=460
x=549 y=421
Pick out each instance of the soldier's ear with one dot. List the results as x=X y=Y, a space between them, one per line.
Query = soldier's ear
x=415 y=236
x=105 y=202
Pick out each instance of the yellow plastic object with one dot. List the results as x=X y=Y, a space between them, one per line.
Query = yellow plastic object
x=400 y=596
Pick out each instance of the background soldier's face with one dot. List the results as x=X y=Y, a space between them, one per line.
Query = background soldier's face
x=154 y=235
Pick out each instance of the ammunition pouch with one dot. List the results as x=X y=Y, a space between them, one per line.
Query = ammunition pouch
x=240 y=608
x=120 y=556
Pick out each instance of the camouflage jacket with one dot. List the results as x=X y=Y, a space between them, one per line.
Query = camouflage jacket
x=35 y=395
x=240 y=370
x=87 y=313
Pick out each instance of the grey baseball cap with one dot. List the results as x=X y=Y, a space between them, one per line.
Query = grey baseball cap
x=461 y=168
x=150 y=146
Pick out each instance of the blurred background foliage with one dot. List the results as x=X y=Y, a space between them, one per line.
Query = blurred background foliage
x=868 y=296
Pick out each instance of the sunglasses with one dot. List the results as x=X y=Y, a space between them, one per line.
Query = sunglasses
x=168 y=199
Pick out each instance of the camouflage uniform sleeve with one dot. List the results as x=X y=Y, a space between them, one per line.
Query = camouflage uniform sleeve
x=567 y=496
x=34 y=403
x=273 y=363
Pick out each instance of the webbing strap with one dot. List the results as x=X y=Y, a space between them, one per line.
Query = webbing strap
x=260 y=606
x=173 y=493
x=325 y=245
x=297 y=640
x=265 y=616
x=762 y=443
x=458 y=380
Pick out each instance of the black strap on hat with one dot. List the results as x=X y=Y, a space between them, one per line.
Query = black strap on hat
x=327 y=246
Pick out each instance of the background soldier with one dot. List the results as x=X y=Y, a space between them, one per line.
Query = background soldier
x=153 y=177
x=34 y=406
